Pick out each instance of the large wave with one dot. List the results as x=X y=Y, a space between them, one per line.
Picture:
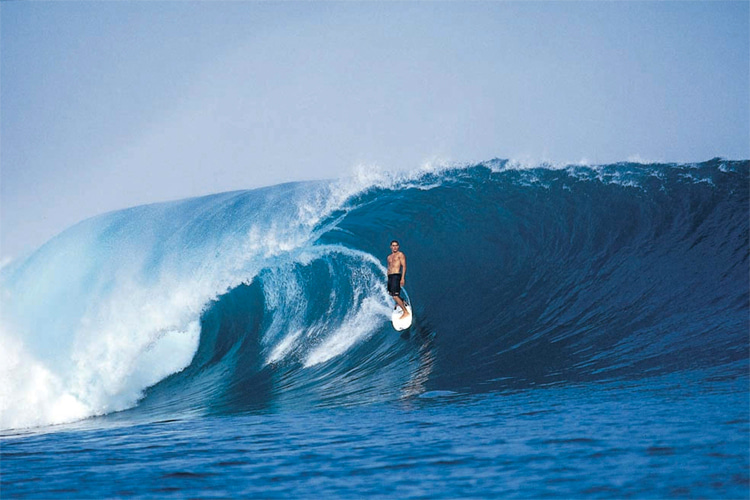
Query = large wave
x=275 y=297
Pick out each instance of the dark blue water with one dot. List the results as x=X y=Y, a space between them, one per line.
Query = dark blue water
x=579 y=332
x=673 y=437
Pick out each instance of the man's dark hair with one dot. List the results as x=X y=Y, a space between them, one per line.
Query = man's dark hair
x=396 y=242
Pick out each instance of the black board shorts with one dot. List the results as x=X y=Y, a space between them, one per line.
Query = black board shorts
x=394 y=285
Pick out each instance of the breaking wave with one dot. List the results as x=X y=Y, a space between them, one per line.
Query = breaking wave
x=275 y=298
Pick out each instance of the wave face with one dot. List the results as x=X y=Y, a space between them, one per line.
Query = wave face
x=275 y=298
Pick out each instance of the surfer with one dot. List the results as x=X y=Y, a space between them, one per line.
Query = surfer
x=396 y=275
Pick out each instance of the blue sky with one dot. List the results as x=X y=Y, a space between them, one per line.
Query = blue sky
x=105 y=105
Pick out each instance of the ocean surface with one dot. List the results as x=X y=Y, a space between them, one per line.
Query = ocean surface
x=580 y=332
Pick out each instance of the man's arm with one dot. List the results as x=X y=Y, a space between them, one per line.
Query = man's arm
x=403 y=269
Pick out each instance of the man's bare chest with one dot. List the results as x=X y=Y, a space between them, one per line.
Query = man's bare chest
x=394 y=261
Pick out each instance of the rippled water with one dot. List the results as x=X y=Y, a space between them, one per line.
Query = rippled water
x=675 y=436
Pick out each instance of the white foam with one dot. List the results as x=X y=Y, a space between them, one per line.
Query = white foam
x=529 y=163
x=636 y=158
x=124 y=342
x=369 y=176
x=697 y=180
x=31 y=395
x=358 y=326
x=284 y=347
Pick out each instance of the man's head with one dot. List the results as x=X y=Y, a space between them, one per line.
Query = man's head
x=394 y=246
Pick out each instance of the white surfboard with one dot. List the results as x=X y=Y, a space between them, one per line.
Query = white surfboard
x=401 y=324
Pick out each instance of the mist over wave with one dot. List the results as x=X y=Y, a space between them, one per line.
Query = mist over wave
x=275 y=298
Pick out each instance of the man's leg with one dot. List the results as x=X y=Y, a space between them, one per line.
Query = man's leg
x=402 y=305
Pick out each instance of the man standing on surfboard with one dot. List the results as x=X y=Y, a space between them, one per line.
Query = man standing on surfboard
x=396 y=275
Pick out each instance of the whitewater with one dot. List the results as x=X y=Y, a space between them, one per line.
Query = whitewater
x=620 y=289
